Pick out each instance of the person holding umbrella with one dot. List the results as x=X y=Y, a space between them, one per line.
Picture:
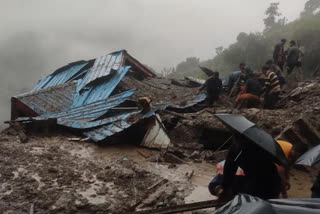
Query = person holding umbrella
x=312 y=158
x=255 y=151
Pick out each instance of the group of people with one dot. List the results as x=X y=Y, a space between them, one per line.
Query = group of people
x=263 y=178
x=290 y=58
x=249 y=86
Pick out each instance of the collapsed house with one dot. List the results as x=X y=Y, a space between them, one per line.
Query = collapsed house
x=100 y=99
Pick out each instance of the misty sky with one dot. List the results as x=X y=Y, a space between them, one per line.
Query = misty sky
x=39 y=36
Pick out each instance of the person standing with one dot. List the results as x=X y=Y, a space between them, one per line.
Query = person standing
x=299 y=64
x=214 y=87
x=279 y=55
x=272 y=88
x=292 y=57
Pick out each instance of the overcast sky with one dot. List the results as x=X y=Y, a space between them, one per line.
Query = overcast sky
x=39 y=36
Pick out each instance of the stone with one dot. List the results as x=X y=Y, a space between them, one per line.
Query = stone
x=308 y=131
x=171 y=158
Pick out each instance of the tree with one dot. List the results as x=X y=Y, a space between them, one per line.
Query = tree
x=219 y=50
x=272 y=13
x=311 y=7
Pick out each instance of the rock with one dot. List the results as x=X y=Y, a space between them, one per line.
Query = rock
x=62 y=201
x=308 y=131
x=253 y=111
x=220 y=155
x=171 y=158
x=53 y=170
x=103 y=191
x=195 y=155
x=154 y=158
x=172 y=166
x=291 y=135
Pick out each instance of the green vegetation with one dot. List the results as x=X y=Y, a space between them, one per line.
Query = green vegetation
x=256 y=48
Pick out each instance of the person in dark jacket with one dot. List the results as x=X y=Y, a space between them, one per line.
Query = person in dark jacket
x=293 y=57
x=316 y=187
x=279 y=55
x=214 y=87
x=262 y=178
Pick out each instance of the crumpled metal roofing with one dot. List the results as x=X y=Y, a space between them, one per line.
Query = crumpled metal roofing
x=50 y=100
x=156 y=137
x=100 y=90
x=82 y=117
x=103 y=132
x=190 y=102
x=78 y=124
x=59 y=77
x=102 y=67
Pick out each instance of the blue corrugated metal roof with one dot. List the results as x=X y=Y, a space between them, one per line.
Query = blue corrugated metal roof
x=102 y=67
x=78 y=124
x=190 y=102
x=93 y=110
x=58 y=78
x=108 y=130
x=50 y=100
x=102 y=90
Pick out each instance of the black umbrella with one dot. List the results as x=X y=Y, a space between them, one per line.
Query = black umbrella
x=207 y=71
x=255 y=134
x=310 y=158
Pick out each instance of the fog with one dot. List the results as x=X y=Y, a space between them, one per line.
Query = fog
x=40 y=36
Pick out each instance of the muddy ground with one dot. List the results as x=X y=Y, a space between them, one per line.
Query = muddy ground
x=52 y=174
x=55 y=175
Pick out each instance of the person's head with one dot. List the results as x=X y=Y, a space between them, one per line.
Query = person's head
x=298 y=43
x=216 y=74
x=242 y=66
x=264 y=69
x=269 y=63
x=292 y=43
x=283 y=41
x=296 y=151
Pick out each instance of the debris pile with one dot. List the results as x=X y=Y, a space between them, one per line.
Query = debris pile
x=114 y=99
x=101 y=99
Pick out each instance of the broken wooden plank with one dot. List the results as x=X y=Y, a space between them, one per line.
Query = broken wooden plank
x=143 y=153
x=177 y=115
x=163 y=181
x=183 y=207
